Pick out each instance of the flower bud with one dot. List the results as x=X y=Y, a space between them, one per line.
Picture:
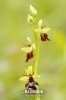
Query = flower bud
x=33 y=11
x=30 y=19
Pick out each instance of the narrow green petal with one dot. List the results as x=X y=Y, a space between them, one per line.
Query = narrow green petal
x=35 y=76
x=45 y=30
x=29 y=39
x=40 y=24
x=29 y=70
x=26 y=49
x=24 y=78
x=34 y=46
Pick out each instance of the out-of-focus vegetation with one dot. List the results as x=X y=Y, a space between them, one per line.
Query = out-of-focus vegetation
x=52 y=62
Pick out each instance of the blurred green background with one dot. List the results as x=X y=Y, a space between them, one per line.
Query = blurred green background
x=52 y=61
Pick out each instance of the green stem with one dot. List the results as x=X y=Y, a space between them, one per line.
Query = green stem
x=36 y=57
x=37 y=50
x=36 y=60
x=36 y=37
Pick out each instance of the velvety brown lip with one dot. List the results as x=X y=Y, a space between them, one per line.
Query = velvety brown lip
x=44 y=37
x=29 y=56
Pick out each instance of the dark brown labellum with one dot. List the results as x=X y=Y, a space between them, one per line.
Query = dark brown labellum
x=29 y=56
x=44 y=37
x=31 y=84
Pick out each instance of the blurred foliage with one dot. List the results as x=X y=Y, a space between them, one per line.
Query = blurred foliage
x=52 y=62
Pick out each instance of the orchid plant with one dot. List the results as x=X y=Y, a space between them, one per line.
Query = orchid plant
x=32 y=48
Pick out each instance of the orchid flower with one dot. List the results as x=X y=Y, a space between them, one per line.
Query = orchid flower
x=29 y=48
x=29 y=72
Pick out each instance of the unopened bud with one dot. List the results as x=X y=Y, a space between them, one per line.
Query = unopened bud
x=33 y=11
x=30 y=19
